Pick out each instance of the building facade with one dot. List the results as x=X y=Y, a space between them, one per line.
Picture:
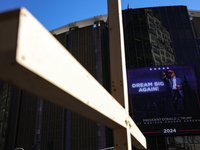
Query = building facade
x=162 y=36
x=90 y=47
x=195 y=21
x=157 y=36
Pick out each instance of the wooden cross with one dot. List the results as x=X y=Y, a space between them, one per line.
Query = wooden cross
x=32 y=59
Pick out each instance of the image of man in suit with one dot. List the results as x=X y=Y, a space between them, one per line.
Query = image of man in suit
x=176 y=88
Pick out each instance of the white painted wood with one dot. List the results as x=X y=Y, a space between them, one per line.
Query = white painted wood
x=118 y=70
x=138 y=139
x=32 y=59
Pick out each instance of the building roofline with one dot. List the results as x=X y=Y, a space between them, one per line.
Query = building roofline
x=158 y=7
x=92 y=20
x=193 y=10
x=79 y=24
x=194 y=13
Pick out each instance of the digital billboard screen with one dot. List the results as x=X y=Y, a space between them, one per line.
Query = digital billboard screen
x=164 y=99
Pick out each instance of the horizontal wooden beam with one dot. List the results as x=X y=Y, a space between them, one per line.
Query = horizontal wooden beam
x=32 y=59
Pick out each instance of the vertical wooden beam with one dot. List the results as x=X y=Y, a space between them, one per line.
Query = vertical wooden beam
x=122 y=139
x=117 y=53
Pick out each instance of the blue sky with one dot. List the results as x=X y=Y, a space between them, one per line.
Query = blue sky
x=56 y=13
